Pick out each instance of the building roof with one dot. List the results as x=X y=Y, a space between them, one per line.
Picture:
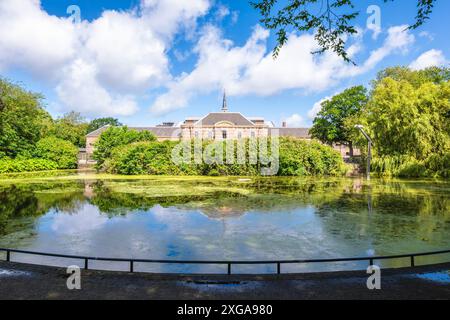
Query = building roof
x=158 y=131
x=98 y=132
x=293 y=132
x=235 y=118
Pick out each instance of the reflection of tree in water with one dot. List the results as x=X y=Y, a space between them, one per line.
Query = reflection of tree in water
x=20 y=202
x=402 y=212
x=262 y=195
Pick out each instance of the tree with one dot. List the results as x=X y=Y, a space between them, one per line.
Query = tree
x=329 y=125
x=64 y=153
x=101 y=122
x=117 y=136
x=22 y=120
x=404 y=119
x=330 y=19
x=71 y=127
x=416 y=78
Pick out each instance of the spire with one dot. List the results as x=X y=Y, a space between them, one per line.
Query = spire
x=224 y=103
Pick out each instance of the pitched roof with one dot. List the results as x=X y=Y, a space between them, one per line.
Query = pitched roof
x=98 y=132
x=234 y=117
x=293 y=132
x=158 y=131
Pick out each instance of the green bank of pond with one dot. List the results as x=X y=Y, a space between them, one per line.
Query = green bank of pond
x=225 y=218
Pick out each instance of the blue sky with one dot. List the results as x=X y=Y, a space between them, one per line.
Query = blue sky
x=150 y=61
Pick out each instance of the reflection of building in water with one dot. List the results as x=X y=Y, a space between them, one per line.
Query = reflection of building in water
x=88 y=189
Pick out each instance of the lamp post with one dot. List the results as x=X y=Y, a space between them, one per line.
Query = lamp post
x=369 y=148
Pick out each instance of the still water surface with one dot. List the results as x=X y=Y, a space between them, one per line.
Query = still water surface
x=224 y=219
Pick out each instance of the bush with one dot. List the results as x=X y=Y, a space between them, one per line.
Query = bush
x=436 y=165
x=115 y=137
x=15 y=165
x=297 y=158
x=60 y=151
x=306 y=158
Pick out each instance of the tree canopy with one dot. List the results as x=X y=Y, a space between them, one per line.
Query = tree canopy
x=114 y=137
x=70 y=127
x=22 y=120
x=101 y=122
x=332 y=20
x=329 y=125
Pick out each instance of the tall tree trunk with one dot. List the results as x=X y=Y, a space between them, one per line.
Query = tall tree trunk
x=350 y=146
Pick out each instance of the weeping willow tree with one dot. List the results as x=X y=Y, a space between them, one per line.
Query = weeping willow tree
x=408 y=118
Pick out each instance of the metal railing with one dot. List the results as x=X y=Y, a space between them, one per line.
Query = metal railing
x=278 y=263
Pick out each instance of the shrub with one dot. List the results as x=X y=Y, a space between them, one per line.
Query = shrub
x=297 y=158
x=64 y=153
x=115 y=137
x=15 y=165
x=438 y=165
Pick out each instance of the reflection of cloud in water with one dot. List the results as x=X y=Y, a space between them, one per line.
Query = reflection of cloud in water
x=87 y=219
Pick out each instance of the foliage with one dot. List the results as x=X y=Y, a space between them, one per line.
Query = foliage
x=71 y=127
x=329 y=126
x=22 y=120
x=101 y=122
x=297 y=158
x=332 y=21
x=303 y=158
x=114 y=137
x=16 y=165
x=59 y=151
x=408 y=119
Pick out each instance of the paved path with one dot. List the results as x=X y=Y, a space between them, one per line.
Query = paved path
x=20 y=281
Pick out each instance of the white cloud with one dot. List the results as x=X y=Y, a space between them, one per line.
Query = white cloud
x=222 y=12
x=219 y=65
x=295 y=120
x=97 y=67
x=81 y=91
x=250 y=69
x=33 y=40
x=431 y=58
x=398 y=40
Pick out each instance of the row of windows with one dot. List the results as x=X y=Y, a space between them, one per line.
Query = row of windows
x=224 y=134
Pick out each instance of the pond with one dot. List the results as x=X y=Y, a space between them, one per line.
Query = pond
x=188 y=218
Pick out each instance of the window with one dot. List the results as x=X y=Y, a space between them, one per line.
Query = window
x=210 y=134
x=253 y=134
x=196 y=134
x=239 y=135
x=224 y=134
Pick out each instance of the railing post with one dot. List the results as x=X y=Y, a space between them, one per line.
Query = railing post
x=229 y=268
x=412 y=261
x=8 y=255
x=131 y=266
x=86 y=263
x=278 y=268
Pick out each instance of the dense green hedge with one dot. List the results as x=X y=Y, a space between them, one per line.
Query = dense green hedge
x=29 y=165
x=64 y=153
x=115 y=137
x=297 y=158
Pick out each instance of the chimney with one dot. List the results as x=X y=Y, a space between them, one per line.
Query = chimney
x=284 y=125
